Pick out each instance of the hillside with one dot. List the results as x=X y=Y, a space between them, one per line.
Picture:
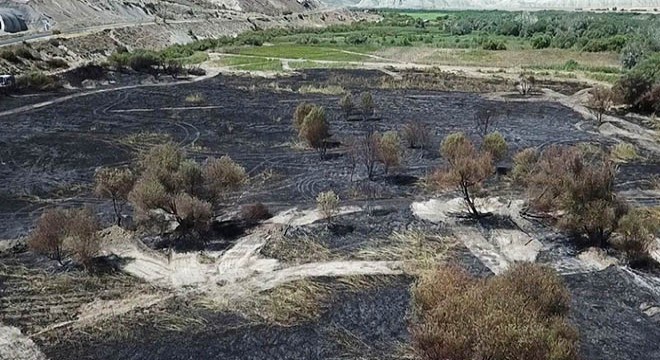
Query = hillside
x=79 y=13
x=501 y=4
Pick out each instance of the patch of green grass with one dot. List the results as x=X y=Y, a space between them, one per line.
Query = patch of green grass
x=294 y=51
x=624 y=152
x=608 y=78
x=252 y=63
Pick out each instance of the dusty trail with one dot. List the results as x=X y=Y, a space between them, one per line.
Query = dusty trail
x=239 y=270
x=210 y=73
x=16 y=346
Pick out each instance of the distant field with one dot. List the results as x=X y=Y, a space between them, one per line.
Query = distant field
x=295 y=51
x=430 y=15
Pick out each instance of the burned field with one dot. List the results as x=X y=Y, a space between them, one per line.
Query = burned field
x=49 y=155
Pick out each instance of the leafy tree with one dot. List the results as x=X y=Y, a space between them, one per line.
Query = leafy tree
x=467 y=168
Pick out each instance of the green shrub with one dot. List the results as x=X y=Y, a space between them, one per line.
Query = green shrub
x=37 y=81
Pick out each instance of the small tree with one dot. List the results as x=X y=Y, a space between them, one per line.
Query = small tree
x=315 y=130
x=328 y=204
x=495 y=145
x=389 y=150
x=600 y=102
x=367 y=104
x=114 y=184
x=467 y=168
x=346 y=105
x=484 y=120
x=301 y=113
x=369 y=152
x=416 y=134
x=352 y=154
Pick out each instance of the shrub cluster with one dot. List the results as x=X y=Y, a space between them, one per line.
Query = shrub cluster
x=520 y=314
x=182 y=188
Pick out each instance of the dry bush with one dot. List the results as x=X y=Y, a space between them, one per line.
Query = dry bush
x=467 y=168
x=49 y=234
x=367 y=104
x=624 y=152
x=523 y=165
x=328 y=204
x=114 y=184
x=192 y=213
x=254 y=213
x=637 y=229
x=221 y=175
x=346 y=104
x=389 y=150
x=600 y=102
x=526 y=84
x=505 y=317
x=162 y=162
x=416 y=134
x=148 y=193
x=495 y=145
x=82 y=241
x=61 y=233
x=190 y=177
x=315 y=130
x=568 y=181
x=301 y=113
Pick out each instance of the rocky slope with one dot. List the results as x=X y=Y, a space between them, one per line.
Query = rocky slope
x=64 y=14
x=501 y=4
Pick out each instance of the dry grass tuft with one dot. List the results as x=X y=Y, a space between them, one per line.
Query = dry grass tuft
x=417 y=249
x=287 y=305
x=325 y=90
x=624 y=152
x=296 y=250
x=196 y=99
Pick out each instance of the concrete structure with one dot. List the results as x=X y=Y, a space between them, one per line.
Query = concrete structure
x=12 y=21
